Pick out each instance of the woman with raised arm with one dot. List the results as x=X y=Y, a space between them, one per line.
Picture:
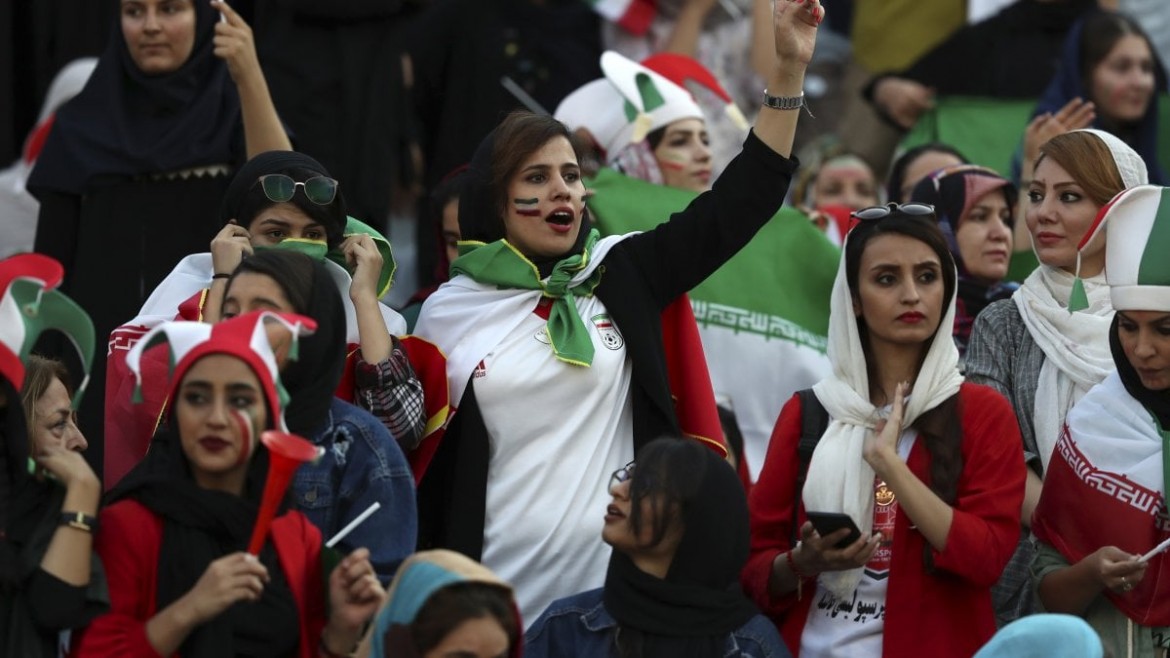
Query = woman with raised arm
x=922 y=463
x=132 y=173
x=541 y=310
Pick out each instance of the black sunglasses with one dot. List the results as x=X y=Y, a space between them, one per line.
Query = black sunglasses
x=321 y=190
x=880 y=212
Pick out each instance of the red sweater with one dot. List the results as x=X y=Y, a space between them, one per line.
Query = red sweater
x=128 y=544
x=940 y=614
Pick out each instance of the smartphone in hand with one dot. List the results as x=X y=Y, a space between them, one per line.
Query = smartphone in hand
x=829 y=522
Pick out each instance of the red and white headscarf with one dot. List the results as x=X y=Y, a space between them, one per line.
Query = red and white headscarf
x=244 y=337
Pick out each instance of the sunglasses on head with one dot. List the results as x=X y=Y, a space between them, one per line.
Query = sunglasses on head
x=321 y=190
x=881 y=212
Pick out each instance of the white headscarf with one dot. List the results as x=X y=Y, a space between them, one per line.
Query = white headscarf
x=839 y=478
x=1075 y=345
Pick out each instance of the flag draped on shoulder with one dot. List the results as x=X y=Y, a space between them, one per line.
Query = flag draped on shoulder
x=763 y=317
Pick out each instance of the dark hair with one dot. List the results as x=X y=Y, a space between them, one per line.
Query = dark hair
x=454 y=604
x=897 y=175
x=519 y=136
x=1100 y=33
x=940 y=426
x=292 y=271
x=331 y=217
x=668 y=476
x=654 y=137
x=1088 y=160
x=447 y=190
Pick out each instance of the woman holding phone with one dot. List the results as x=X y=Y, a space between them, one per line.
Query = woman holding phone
x=1103 y=511
x=925 y=464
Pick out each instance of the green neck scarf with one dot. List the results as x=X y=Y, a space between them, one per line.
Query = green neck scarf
x=500 y=264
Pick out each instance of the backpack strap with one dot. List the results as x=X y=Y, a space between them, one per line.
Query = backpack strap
x=814 y=420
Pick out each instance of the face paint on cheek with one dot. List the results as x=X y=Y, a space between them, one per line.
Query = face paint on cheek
x=526 y=212
x=673 y=166
x=247 y=434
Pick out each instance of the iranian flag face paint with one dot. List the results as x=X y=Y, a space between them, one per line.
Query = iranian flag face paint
x=248 y=435
x=684 y=155
x=526 y=207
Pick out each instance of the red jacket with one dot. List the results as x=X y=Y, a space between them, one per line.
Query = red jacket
x=940 y=614
x=128 y=544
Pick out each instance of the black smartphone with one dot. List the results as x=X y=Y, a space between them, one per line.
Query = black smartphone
x=830 y=522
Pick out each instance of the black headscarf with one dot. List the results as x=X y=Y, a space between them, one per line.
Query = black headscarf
x=312 y=378
x=199 y=527
x=244 y=197
x=1156 y=402
x=480 y=215
x=691 y=611
x=126 y=122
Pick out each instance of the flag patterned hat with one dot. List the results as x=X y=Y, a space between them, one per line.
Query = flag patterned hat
x=651 y=101
x=30 y=304
x=1136 y=223
x=597 y=107
x=681 y=69
x=244 y=337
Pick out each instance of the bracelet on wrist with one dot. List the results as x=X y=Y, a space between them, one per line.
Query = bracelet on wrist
x=221 y=275
x=79 y=521
x=788 y=557
x=786 y=102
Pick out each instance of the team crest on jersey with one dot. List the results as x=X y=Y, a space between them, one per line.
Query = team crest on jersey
x=611 y=338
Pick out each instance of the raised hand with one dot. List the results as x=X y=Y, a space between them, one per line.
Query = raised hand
x=795 y=28
x=363 y=257
x=229 y=247
x=234 y=44
x=1075 y=114
x=882 y=442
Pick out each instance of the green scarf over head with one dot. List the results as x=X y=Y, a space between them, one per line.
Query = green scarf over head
x=319 y=250
x=499 y=263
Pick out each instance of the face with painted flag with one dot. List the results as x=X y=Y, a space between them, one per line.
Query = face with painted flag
x=545 y=201
x=219 y=405
x=683 y=153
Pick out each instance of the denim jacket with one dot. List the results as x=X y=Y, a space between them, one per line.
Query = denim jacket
x=580 y=625
x=362 y=464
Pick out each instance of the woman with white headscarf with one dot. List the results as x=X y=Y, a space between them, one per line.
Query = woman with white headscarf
x=1049 y=344
x=924 y=464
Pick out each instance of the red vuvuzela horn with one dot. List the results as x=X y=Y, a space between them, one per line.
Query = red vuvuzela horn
x=286 y=453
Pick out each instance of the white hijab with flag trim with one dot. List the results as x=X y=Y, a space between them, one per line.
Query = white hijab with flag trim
x=839 y=479
x=1105 y=487
x=1075 y=342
